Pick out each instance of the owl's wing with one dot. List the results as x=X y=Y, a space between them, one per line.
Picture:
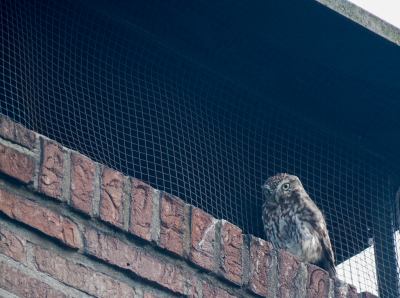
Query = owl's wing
x=328 y=260
x=318 y=222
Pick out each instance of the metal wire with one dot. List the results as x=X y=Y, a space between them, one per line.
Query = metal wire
x=126 y=85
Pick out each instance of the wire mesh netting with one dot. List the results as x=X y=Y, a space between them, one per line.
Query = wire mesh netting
x=189 y=98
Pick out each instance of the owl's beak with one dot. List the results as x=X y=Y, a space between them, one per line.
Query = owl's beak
x=277 y=198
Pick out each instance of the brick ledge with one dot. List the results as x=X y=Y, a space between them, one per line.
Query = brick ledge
x=194 y=254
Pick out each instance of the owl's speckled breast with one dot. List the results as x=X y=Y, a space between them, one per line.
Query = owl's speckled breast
x=291 y=233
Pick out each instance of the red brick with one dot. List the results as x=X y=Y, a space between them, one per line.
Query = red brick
x=172 y=212
x=203 y=237
x=16 y=133
x=24 y=285
x=260 y=266
x=147 y=295
x=111 y=197
x=289 y=270
x=79 y=276
x=344 y=290
x=210 y=291
x=24 y=136
x=51 y=170
x=192 y=290
x=7 y=128
x=139 y=262
x=40 y=218
x=141 y=209
x=367 y=295
x=317 y=283
x=16 y=164
x=231 y=253
x=82 y=184
x=12 y=245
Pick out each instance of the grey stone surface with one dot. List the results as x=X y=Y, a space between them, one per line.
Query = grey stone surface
x=274 y=278
x=97 y=189
x=186 y=232
x=302 y=282
x=217 y=246
x=364 y=18
x=66 y=183
x=126 y=202
x=155 y=222
x=246 y=259
x=6 y=294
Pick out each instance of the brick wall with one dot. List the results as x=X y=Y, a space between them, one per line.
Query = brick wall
x=70 y=227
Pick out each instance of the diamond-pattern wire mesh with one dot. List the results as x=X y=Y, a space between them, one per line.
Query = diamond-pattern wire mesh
x=124 y=97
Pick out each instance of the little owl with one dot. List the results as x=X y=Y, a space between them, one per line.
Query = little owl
x=294 y=223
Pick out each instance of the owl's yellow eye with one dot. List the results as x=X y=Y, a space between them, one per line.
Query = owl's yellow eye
x=286 y=186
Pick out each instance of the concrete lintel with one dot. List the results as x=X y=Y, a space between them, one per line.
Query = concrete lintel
x=364 y=18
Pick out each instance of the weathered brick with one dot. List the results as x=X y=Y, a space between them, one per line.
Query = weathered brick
x=39 y=218
x=16 y=164
x=51 y=170
x=210 y=291
x=344 y=290
x=24 y=136
x=16 y=133
x=147 y=295
x=111 y=197
x=260 y=266
x=231 y=253
x=203 y=237
x=172 y=212
x=191 y=288
x=289 y=270
x=141 y=209
x=82 y=183
x=12 y=245
x=79 y=276
x=24 y=285
x=141 y=263
x=367 y=295
x=7 y=128
x=317 y=283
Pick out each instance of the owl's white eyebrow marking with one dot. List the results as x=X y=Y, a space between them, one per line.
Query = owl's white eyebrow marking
x=266 y=186
x=280 y=183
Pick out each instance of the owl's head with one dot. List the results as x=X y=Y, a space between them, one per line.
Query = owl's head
x=278 y=189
